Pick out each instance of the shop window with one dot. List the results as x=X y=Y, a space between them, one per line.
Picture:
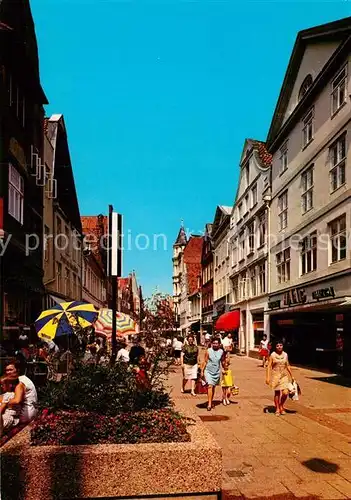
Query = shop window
x=307 y=190
x=16 y=194
x=337 y=155
x=283 y=265
x=309 y=253
x=283 y=210
x=338 y=240
x=339 y=93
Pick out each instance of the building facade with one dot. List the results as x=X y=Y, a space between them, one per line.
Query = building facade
x=190 y=301
x=63 y=256
x=220 y=242
x=310 y=138
x=95 y=282
x=178 y=282
x=21 y=152
x=129 y=296
x=207 y=282
x=248 y=236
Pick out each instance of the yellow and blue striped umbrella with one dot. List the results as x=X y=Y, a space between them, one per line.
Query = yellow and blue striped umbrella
x=62 y=318
x=125 y=324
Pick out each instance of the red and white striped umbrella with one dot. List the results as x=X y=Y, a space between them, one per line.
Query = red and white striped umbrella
x=125 y=324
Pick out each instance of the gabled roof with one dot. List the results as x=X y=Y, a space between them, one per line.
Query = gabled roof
x=340 y=29
x=62 y=169
x=192 y=260
x=221 y=217
x=181 y=238
x=262 y=155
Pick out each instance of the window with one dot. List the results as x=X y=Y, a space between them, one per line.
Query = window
x=307 y=190
x=241 y=246
x=58 y=226
x=306 y=84
x=262 y=278
x=234 y=253
x=254 y=195
x=262 y=229
x=338 y=96
x=284 y=158
x=16 y=194
x=253 y=281
x=283 y=210
x=307 y=130
x=59 y=276
x=251 y=230
x=246 y=204
x=242 y=287
x=67 y=281
x=216 y=260
x=338 y=240
x=337 y=154
x=283 y=265
x=309 y=253
x=46 y=243
x=240 y=211
x=247 y=174
x=235 y=290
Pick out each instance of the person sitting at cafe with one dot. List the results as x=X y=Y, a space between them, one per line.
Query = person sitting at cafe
x=9 y=415
x=25 y=392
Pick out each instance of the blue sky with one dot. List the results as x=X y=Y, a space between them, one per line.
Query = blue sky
x=158 y=99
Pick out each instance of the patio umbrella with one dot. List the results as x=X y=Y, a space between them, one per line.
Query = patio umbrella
x=125 y=324
x=62 y=318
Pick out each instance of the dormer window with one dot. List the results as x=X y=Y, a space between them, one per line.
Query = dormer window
x=306 y=84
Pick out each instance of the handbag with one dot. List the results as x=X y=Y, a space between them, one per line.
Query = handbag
x=234 y=390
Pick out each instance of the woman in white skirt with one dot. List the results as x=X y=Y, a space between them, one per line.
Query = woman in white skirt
x=189 y=363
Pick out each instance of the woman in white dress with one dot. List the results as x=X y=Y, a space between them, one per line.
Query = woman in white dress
x=27 y=397
x=279 y=376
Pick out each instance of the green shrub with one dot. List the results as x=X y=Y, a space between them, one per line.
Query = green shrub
x=77 y=428
x=106 y=390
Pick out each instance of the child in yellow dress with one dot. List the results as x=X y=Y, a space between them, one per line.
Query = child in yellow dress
x=227 y=381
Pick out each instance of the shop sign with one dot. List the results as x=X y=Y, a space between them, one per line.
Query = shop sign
x=274 y=304
x=17 y=151
x=324 y=293
x=294 y=296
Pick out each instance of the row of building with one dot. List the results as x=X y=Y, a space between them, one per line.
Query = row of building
x=49 y=253
x=278 y=261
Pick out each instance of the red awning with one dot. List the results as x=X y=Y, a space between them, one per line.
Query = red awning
x=228 y=321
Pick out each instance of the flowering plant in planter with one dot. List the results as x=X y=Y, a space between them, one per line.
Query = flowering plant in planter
x=75 y=428
x=105 y=404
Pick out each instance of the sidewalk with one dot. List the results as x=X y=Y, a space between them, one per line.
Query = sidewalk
x=303 y=454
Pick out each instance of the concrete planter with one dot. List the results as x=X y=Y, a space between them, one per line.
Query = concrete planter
x=110 y=471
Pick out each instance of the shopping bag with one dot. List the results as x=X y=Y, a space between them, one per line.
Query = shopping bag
x=294 y=390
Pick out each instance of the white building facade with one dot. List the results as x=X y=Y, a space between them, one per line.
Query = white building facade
x=221 y=288
x=248 y=237
x=310 y=252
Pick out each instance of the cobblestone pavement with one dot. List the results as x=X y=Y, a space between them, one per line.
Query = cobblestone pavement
x=303 y=454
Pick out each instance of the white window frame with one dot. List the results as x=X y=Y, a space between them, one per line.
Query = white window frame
x=309 y=254
x=337 y=237
x=308 y=128
x=283 y=265
x=15 y=194
x=262 y=278
x=262 y=230
x=307 y=189
x=339 y=90
x=283 y=210
x=241 y=246
x=253 y=281
x=283 y=158
x=251 y=237
x=253 y=195
x=337 y=158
